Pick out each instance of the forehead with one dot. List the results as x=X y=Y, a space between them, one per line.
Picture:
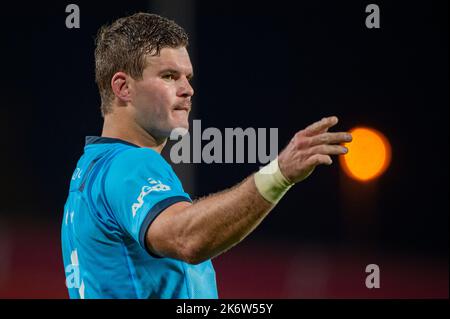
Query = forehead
x=170 y=58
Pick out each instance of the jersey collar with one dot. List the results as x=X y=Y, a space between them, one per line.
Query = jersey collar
x=105 y=140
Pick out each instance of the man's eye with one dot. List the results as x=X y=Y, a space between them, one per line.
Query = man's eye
x=168 y=77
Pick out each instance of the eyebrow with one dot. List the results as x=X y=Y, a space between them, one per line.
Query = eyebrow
x=169 y=70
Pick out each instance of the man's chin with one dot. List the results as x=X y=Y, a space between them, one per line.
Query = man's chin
x=180 y=130
x=182 y=122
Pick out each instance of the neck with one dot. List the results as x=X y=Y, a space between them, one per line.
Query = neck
x=133 y=133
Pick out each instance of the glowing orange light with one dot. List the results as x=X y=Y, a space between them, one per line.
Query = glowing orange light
x=369 y=154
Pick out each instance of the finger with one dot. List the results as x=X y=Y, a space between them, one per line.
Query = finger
x=321 y=126
x=319 y=159
x=327 y=150
x=330 y=138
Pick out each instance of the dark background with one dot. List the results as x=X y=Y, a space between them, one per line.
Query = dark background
x=272 y=64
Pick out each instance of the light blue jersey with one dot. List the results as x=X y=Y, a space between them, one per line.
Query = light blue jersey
x=116 y=191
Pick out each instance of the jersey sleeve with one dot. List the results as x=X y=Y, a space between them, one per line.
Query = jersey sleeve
x=138 y=186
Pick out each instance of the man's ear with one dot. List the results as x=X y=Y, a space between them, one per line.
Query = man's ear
x=120 y=86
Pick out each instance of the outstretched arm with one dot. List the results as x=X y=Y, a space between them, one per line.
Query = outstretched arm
x=208 y=227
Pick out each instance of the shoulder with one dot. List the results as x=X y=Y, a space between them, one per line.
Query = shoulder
x=134 y=160
x=137 y=155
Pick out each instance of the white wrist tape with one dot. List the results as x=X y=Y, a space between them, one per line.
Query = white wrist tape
x=271 y=183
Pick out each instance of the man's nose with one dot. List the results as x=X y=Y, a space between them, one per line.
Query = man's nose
x=185 y=89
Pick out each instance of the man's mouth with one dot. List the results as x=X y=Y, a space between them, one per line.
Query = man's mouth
x=183 y=107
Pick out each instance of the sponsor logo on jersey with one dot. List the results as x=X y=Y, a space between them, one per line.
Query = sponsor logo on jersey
x=155 y=186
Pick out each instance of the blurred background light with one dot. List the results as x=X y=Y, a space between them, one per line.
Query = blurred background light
x=369 y=154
